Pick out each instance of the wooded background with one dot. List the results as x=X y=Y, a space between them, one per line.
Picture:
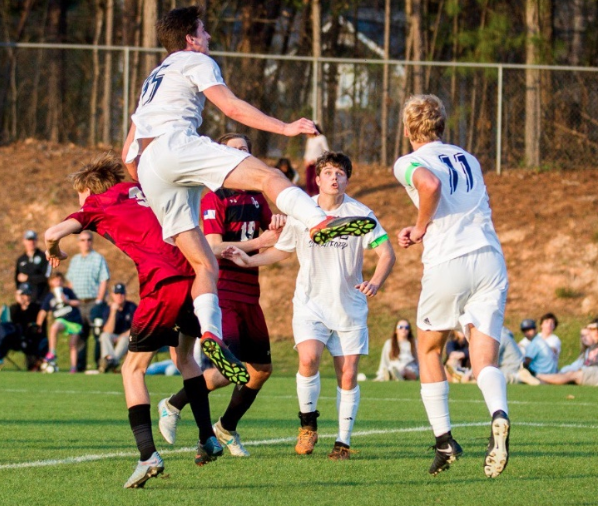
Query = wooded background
x=545 y=116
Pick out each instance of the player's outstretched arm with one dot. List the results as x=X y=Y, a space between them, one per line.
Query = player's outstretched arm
x=386 y=260
x=242 y=259
x=53 y=236
x=243 y=112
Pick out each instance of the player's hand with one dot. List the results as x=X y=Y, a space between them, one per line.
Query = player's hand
x=55 y=259
x=22 y=277
x=301 y=126
x=404 y=238
x=277 y=222
x=368 y=288
x=269 y=238
x=417 y=234
x=237 y=256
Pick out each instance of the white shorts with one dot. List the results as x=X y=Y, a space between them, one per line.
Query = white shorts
x=173 y=170
x=470 y=289
x=340 y=343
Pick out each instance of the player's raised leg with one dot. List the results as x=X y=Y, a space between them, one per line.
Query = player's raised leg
x=252 y=174
x=434 y=393
x=197 y=251
x=491 y=381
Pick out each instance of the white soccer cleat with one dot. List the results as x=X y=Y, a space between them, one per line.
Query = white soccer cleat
x=230 y=439
x=168 y=418
x=150 y=468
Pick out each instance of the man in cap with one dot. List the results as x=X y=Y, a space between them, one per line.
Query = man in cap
x=33 y=268
x=528 y=328
x=117 y=319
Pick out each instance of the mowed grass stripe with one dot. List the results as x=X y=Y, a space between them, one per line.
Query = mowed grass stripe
x=275 y=441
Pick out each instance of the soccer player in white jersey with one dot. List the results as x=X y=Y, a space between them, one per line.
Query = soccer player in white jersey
x=464 y=285
x=330 y=303
x=172 y=162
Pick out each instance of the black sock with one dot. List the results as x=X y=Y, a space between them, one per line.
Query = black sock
x=179 y=400
x=309 y=420
x=443 y=438
x=141 y=425
x=240 y=402
x=197 y=393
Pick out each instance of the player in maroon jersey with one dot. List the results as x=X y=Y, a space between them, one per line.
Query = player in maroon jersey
x=118 y=212
x=234 y=218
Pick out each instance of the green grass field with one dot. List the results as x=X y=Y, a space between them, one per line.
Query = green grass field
x=66 y=441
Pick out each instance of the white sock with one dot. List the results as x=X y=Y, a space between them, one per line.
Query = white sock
x=207 y=310
x=308 y=392
x=435 y=397
x=293 y=201
x=492 y=383
x=347 y=403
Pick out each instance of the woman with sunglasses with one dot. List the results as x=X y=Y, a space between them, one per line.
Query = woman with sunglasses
x=399 y=358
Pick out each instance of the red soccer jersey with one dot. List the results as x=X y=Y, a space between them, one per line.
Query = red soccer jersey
x=237 y=216
x=122 y=215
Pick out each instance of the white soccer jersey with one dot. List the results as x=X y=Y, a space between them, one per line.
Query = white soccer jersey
x=172 y=96
x=463 y=220
x=328 y=273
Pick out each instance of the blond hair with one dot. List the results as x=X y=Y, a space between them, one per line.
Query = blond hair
x=424 y=116
x=100 y=175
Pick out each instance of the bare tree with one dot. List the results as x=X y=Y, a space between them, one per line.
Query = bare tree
x=107 y=95
x=93 y=95
x=532 y=85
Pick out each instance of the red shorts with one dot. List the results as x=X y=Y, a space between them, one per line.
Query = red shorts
x=245 y=332
x=162 y=314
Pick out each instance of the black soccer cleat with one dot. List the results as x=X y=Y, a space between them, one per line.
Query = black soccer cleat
x=497 y=454
x=446 y=453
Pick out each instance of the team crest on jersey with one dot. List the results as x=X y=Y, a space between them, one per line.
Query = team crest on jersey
x=255 y=203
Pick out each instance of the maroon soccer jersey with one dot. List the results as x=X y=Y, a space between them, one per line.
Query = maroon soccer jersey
x=122 y=215
x=237 y=216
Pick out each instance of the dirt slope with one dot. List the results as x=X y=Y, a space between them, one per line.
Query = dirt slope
x=547 y=222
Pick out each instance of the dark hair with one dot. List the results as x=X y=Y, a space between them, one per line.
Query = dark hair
x=336 y=159
x=283 y=161
x=223 y=139
x=550 y=316
x=395 y=350
x=173 y=28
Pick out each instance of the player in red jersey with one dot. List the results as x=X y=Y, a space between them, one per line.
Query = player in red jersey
x=234 y=218
x=118 y=211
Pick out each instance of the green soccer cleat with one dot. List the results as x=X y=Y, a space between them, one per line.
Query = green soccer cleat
x=228 y=365
x=333 y=227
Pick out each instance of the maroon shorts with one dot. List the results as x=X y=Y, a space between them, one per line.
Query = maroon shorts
x=162 y=314
x=245 y=332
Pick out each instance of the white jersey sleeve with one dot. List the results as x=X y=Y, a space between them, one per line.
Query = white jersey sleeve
x=288 y=237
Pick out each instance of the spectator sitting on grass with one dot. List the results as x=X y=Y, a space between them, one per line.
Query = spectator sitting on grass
x=584 y=371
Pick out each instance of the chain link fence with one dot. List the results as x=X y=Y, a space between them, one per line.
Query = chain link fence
x=507 y=115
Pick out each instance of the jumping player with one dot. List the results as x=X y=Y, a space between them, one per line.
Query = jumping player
x=118 y=211
x=172 y=162
x=464 y=285
x=234 y=218
x=330 y=303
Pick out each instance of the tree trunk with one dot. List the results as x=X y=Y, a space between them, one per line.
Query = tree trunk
x=316 y=17
x=107 y=95
x=55 y=86
x=150 y=16
x=93 y=95
x=532 y=85
x=385 y=78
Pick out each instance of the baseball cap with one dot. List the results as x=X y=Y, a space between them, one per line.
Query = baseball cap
x=119 y=288
x=527 y=324
x=25 y=289
x=30 y=234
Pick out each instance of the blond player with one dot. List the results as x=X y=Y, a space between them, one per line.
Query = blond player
x=464 y=285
